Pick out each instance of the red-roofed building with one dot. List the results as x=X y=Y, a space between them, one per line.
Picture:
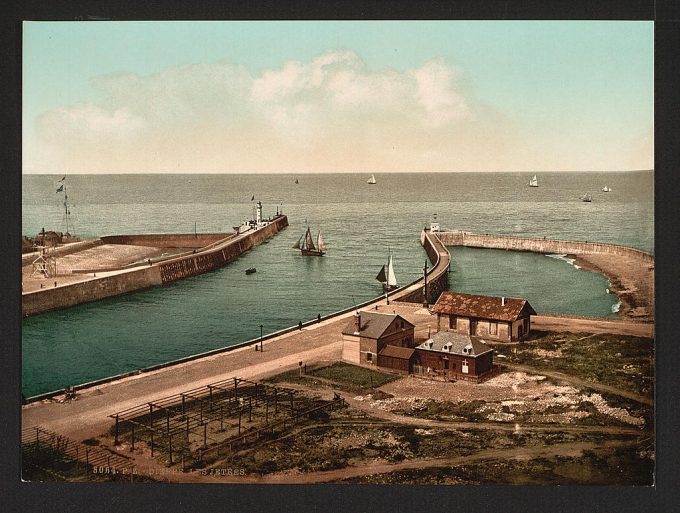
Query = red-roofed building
x=505 y=319
x=368 y=333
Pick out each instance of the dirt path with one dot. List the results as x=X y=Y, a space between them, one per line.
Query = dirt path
x=573 y=449
x=581 y=383
x=558 y=324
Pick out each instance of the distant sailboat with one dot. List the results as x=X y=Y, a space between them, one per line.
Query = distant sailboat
x=306 y=244
x=386 y=276
x=587 y=198
x=606 y=189
x=533 y=182
x=371 y=180
x=296 y=181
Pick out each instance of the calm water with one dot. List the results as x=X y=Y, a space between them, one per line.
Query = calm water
x=359 y=222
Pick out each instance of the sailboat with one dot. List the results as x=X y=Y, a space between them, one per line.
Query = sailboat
x=296 y=181
x=533 y=182
x=606 y=189
x=371 y=180
x=387 y=277
x=306 y=244
x=587 y=198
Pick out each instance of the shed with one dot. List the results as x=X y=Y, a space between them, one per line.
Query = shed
x=396 y=358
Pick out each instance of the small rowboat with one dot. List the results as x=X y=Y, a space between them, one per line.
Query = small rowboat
x=251 y=270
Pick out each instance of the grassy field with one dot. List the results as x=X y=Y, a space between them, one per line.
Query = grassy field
x=625 y=466
x=344 y=376
x=344 y=439
x=620 y=361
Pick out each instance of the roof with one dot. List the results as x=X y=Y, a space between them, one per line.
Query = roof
x=373 y=325
x=457 y=342
x=403 y=353
x=483 y=307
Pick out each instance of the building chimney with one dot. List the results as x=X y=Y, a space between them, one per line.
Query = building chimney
x=503 y=301
x=357 y=323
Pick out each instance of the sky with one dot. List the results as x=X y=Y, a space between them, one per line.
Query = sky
x=315 y=97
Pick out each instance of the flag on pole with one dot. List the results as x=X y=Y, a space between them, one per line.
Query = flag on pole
x=253 y=198
x=61 y=188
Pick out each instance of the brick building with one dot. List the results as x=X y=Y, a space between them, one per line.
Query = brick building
x=368 y=333
x=453 y=355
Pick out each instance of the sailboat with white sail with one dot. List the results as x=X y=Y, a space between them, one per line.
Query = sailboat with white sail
x=386 y=275
x=533 y=182
x=306 y=244
x=371 y=180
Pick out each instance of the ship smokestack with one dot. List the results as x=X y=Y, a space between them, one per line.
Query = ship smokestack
x=357 y=323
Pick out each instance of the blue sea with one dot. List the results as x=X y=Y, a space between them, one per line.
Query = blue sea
x=359 y=222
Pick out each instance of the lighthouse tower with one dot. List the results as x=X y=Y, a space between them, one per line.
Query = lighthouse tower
x=258 y=214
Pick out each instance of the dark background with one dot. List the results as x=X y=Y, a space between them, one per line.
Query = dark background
x=17 y=496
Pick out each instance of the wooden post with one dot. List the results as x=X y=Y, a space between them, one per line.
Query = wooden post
x=210 y=397
x=167 y=421
x=201 y=411
x=116 y=442
x=152 y=443
x=133 y=438
x=187 y=427
x=236 y=389
x=183 y=401
x=266 y=410
x=221 y=417
x=170 y=448
x=240 y=410
x=87 y=457
x=292 y=411
x=250 y=409
x=205 y=435
x=276 y=400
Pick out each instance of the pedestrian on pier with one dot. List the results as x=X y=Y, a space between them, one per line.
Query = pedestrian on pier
x=300 y=325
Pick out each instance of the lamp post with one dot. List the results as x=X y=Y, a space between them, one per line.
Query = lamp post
x=261 y=348
x=425 y=300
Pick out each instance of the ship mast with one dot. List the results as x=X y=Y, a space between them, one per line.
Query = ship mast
x=67 y=210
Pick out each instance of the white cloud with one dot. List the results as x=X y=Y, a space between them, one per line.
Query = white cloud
x=333 y=113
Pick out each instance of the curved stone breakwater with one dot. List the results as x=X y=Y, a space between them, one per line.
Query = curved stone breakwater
x=630 y=271
x=99 y=282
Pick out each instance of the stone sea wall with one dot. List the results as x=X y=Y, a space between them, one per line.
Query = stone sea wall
x=536 y=245
x=123 y=282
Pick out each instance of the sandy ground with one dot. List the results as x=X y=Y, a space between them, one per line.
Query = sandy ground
x=631 y=279
x=558 y=323
x=99 y=257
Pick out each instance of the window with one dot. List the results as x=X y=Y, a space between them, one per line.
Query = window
x=446 y=363
x=452 y=322
x=493 y=328
x=369 y=357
